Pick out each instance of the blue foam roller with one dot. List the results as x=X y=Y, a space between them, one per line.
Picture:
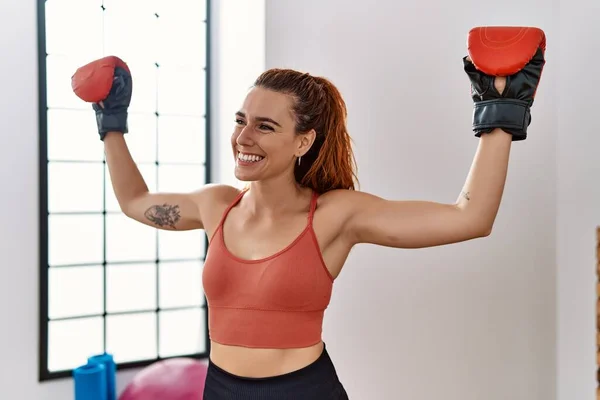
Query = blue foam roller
x=111 y=373
x=90 y=382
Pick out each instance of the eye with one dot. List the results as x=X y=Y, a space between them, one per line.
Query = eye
x=239 y=121
x=266 y=127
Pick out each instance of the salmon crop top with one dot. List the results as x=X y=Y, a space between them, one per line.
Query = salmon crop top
x=274 y=302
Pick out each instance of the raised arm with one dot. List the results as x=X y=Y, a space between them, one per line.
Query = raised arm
x=416 y=224
x=503 y=86
x=169 y=211
x=107 y=84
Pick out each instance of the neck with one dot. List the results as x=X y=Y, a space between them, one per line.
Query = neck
x=274 y=195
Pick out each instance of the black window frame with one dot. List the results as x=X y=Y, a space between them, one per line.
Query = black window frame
x=44 y=374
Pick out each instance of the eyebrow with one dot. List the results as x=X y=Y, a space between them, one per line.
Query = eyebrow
x=262 y=119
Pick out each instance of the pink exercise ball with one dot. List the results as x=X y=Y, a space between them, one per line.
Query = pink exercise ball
x=171 y=379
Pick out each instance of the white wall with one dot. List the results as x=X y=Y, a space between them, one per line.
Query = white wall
x=470 y=321
x=238 y=31
x=239 y=57
x=578 y=197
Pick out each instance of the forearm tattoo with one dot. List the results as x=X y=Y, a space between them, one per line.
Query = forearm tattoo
x=165 y=215
x=466 y=195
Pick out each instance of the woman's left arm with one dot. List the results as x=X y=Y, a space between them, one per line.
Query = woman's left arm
x=416 y=224
x=499 y=102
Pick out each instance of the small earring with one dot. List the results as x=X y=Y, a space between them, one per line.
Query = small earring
x=299 y=158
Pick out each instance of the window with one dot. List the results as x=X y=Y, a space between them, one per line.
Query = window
x=109 y=283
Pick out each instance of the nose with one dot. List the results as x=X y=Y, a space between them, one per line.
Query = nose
x=245 y=137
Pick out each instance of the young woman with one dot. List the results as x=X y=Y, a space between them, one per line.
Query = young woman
x=277 y=246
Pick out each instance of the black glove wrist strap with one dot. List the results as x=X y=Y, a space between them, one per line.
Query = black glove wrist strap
x=512 y=116
x=111 y=121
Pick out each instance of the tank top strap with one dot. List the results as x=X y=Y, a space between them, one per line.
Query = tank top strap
x=313 y=206
x=236 y=200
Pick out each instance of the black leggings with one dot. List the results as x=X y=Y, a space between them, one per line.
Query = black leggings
x=317 y=381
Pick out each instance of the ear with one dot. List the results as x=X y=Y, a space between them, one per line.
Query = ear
x=305 y=142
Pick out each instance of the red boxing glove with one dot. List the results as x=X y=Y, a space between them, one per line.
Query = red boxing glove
x=106 y=81
x=516 y=53
x=93 y=81
x=503 y=51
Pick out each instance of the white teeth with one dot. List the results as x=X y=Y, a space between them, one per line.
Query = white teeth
x=249 y=157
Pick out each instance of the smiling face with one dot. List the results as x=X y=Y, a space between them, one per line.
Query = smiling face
x=265 y=143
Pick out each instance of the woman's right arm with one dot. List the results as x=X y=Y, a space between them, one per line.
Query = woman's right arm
x=169 y=211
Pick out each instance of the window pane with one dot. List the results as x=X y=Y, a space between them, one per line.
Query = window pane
x=174 y=245
x=130 y=287
x=180 y=178
x=181 y=22
x=59 y=70
x=75 y=291
x=182 y=332
x=129 y=240
x=73 y=136
x=131 y=337
x=75 y=239
x=182 y=9
x=75 y=187
x=71 y=342
x=180 y=284
x=130 y=29
x=148 y=173
x=181 y=90
x=141 y=138
x=181 y=139
x=144 y=76
x=60 y=26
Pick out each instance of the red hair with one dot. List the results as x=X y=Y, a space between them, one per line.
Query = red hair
x=329 y=164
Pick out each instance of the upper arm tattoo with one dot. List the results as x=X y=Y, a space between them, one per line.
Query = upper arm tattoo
x=163 y=215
